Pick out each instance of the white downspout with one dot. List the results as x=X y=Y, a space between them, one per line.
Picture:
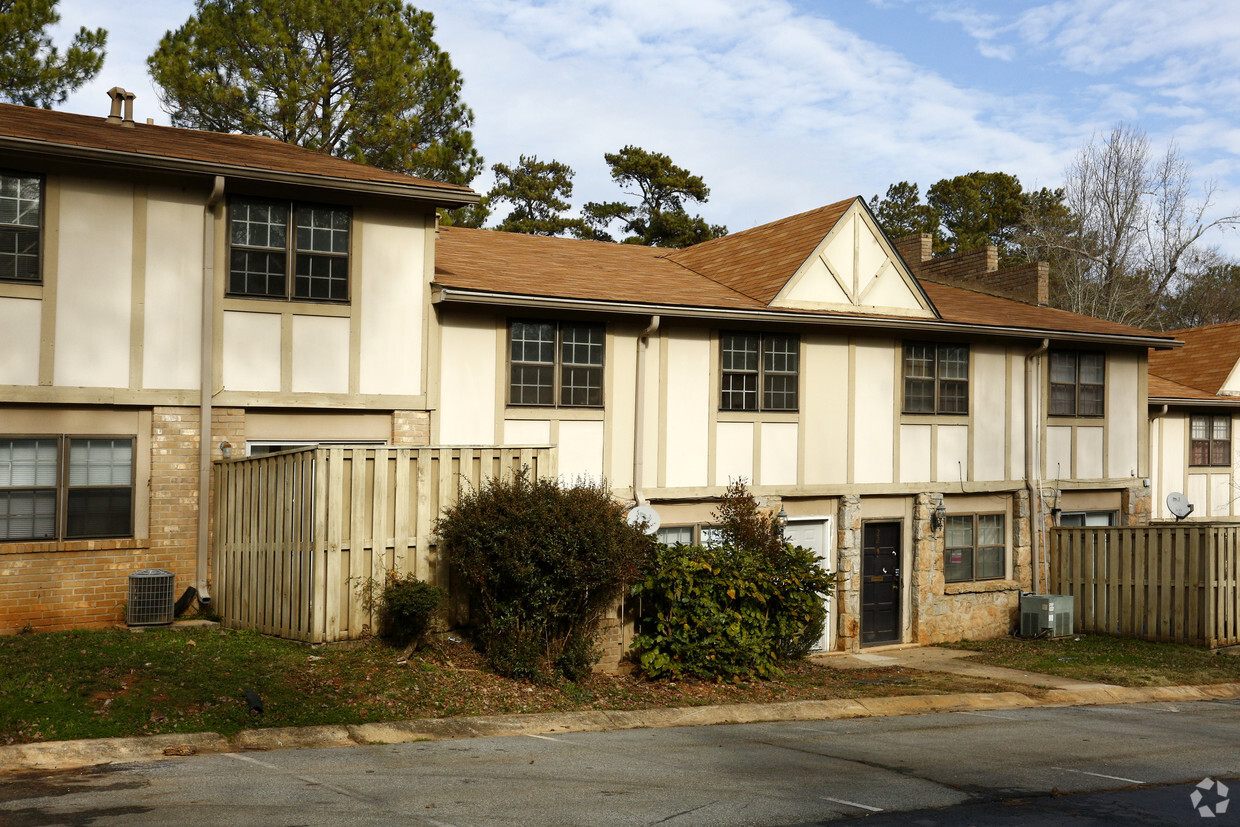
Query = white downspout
x=639 y=418
x=207 y=383
x=1033 y=425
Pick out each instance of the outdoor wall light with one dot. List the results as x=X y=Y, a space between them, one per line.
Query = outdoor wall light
x=226 y=449
x=939 y=516
x=782 y=517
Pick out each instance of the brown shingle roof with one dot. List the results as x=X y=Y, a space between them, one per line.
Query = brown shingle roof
x=1160 y=388
x=566 y=268
x=1205 y=362
x=515 y=264
x=66 y=130
x=957 y=304
x=759 y=262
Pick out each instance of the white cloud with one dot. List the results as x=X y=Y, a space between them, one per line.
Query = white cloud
x=779 y=107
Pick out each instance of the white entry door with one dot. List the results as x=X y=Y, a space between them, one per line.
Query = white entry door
x=815 y=534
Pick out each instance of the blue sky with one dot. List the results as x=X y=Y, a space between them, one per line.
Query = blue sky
x=785 y=105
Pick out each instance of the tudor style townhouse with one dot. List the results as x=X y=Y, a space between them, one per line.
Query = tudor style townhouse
x=167 y=296
x=1194 y=403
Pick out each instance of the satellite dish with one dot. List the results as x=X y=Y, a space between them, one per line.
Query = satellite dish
x=1179 y=505
x=645 y=517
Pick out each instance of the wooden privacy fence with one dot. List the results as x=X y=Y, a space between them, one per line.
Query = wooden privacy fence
x=299 y=536
x=1173 y=582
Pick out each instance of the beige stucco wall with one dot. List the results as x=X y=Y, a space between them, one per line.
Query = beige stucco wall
x=467 y=379
x=686 y=406
x=320 y=354
x=392 y=250
x=21 y=321
x=874 y=411
x=990 y=413
x=94 y=297
x=172 y=282
x=825 y=418
x=251 y=351
x=1126 y=415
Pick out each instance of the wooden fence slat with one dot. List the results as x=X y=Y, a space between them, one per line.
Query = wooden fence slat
x=423 y=515
x=359 y=555
x=1139 y=565
x=405 y=543
x=381 y=535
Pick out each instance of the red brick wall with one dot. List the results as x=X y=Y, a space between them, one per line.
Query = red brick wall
x=53 y=586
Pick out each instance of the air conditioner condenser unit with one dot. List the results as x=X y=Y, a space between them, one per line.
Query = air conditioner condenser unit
x=1046 y=615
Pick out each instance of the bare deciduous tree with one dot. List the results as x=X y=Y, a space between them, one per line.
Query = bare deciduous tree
x=1132 y=238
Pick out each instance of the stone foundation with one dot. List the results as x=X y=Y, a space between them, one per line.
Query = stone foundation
x=977 y=610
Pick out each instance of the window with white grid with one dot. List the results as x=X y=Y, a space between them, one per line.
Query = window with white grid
x=65 y=487
x=936 y=378
x=21 y=199
x=759 y=371
x=555 y=364
x=266 y=260
x=28 y=475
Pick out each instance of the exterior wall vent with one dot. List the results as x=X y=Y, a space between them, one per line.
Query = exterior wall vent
x=150 y=598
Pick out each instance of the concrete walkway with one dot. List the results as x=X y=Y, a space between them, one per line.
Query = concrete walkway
x=952 y=661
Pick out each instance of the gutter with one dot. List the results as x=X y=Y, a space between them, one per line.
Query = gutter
x=206 y=380
x=1167 y=401
x=442 y=294
x=639 y=418
x=144 y=160
x=1033 y=425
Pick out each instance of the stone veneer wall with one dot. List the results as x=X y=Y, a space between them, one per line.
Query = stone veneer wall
x=978 y=610
x=848 y=559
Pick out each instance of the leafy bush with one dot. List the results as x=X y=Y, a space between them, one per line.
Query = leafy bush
x=542 y=563
x=733 y=610
x=407 y=607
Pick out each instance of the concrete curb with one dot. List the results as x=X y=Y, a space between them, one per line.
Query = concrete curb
x=96 y=751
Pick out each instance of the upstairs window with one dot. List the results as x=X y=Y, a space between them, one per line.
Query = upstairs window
x=936 y=378
x=21 y=211
x=1078 y=383
x=65 y=488
x=1210 y=439
x=554 y=364
x=760 y=372
x=307 y=261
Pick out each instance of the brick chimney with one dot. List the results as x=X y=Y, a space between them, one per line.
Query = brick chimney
x=976 y=269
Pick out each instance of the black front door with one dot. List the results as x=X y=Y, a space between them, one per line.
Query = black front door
x=880 y=583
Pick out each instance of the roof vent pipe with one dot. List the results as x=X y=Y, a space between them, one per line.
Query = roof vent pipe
x=117 y=94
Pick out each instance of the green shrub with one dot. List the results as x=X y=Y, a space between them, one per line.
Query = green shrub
x=542 y=563
x=734 y=610
x=406 y=608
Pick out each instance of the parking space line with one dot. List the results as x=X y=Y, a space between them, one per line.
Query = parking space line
x=990 y=715
x=314 y=782
x=1100 y=775
x=545 y=738
x=852 y=804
